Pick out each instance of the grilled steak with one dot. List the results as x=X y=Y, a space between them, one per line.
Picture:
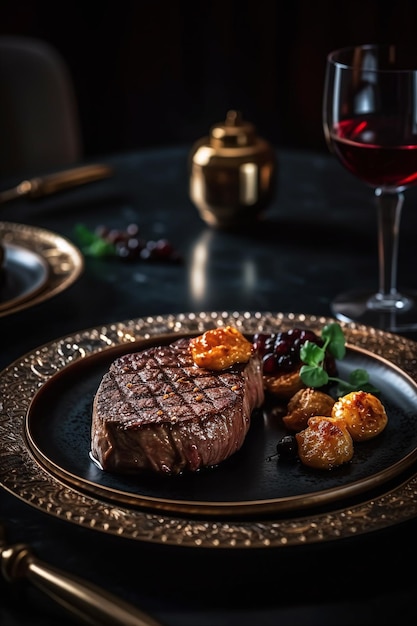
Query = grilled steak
x=156 y=410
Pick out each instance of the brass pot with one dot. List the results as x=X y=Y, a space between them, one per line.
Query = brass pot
x=232 y=173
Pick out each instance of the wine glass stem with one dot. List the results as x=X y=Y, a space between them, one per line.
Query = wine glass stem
x=389 y=205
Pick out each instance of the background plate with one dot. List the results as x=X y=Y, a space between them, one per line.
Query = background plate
x=24 y=274
x=22 y=473
x=24 y=284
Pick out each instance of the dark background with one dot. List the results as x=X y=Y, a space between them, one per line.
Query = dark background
x=159 y=72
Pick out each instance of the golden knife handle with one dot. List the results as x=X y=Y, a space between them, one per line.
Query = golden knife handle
x=52 y=183
x=85 y=600
x=58 y=181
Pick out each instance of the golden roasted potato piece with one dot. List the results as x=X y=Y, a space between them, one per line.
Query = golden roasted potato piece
x=284 y=386
x=363 y=413
x=304 y=404
x=325 y=443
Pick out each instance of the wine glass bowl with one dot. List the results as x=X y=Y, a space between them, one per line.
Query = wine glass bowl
x=370 y=125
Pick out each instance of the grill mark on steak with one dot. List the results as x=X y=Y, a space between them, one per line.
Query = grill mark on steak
x=157 y=410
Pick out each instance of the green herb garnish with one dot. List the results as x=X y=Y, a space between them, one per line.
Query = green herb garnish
x=313 y=373
x=93 y=244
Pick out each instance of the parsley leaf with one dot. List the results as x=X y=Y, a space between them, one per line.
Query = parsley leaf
x=92 y=244
x=313 y=356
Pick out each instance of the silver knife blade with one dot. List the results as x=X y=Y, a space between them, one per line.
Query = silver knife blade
x=52 y=183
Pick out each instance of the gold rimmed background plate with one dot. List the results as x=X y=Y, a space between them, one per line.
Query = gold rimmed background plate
x=249 y=500
x=38 y=265
x=23 y=275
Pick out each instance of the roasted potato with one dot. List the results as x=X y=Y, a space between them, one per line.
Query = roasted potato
x=304 y=404
x=325 y=443
x=284 y=386
x=363 y=413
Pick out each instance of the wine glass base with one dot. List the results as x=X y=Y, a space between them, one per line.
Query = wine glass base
x=354 y=306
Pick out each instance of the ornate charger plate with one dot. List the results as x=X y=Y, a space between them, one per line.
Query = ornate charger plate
x=39 y=264
x=22 y=474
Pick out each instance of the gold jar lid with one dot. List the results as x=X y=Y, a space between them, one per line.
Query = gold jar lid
x=234 y=133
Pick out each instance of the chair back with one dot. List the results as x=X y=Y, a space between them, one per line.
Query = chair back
x=39 y=118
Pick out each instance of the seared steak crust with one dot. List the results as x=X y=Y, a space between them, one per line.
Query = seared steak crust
x=157 y=410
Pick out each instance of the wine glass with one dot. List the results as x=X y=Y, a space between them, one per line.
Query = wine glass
x=370 y=124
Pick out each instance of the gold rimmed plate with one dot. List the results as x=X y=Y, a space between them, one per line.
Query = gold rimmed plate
x=38 y=264
x=252 y=481
x=251 y=499
x=24 y=274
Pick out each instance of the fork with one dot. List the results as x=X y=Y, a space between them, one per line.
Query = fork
x=84 y=599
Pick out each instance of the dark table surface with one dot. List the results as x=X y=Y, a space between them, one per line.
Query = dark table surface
x=317 y=238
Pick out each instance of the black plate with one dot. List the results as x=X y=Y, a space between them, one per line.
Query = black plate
x=252 y=480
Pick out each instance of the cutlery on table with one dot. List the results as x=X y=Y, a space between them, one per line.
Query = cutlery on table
x=52 y=183
x=84 y=599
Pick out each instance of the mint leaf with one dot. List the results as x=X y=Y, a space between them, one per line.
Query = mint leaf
x=92 y=244
x=359 y=377
x=333 y=336
x=311 y=353
x=313 y=373
x=313 y=376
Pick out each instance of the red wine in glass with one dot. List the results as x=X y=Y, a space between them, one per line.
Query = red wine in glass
x=374 y=149
x=370 y=124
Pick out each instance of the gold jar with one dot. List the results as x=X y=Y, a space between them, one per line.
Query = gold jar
x=232 y=173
